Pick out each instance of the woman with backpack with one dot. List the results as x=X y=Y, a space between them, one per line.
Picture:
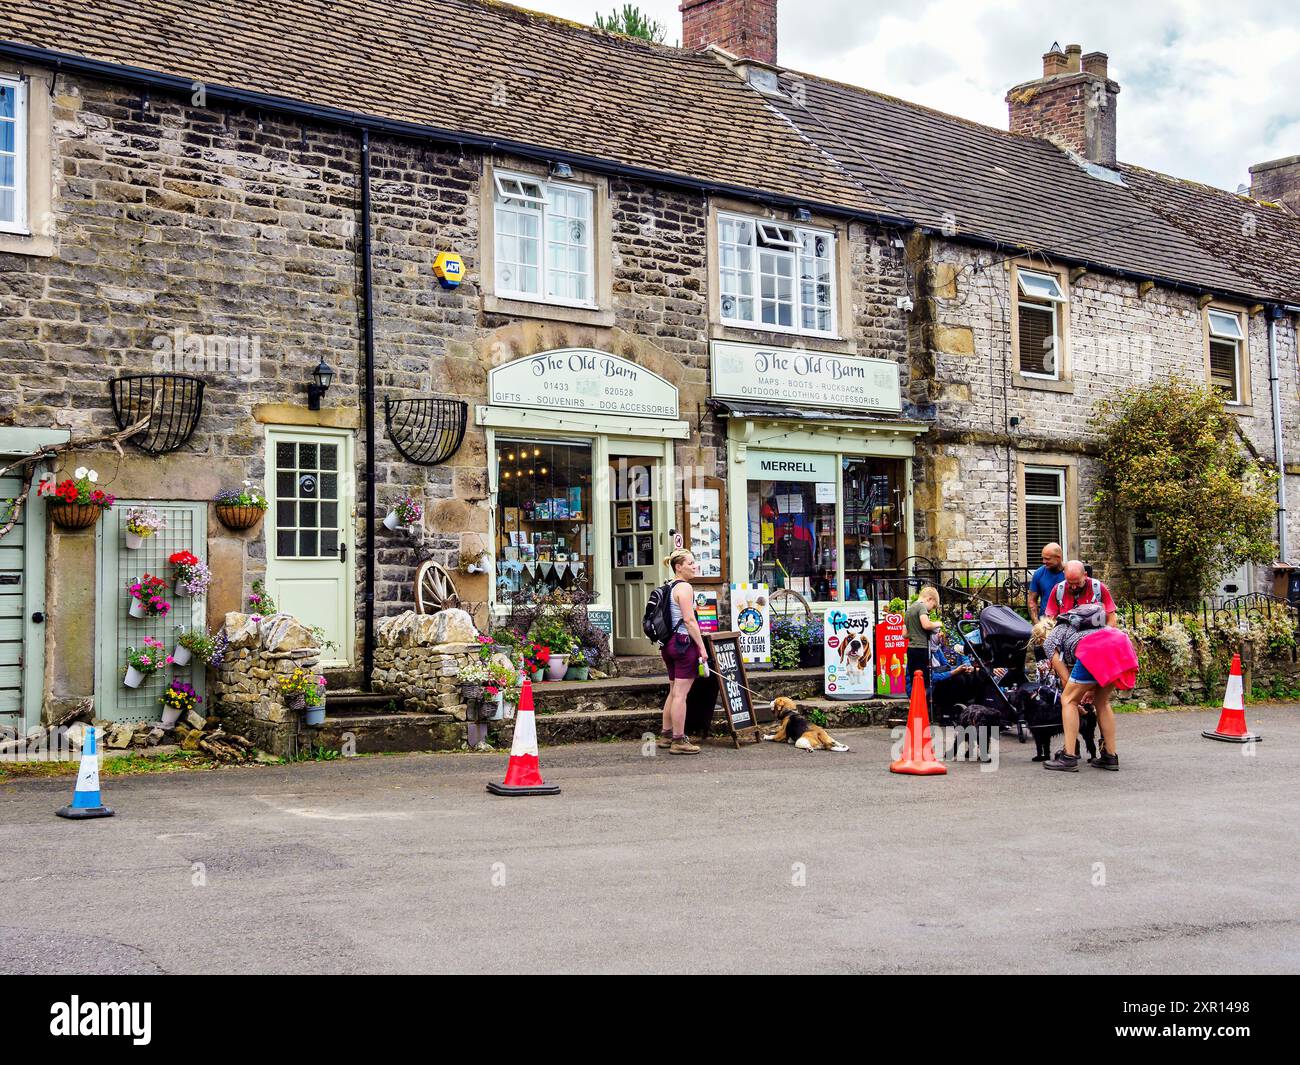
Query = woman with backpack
x=682 y=652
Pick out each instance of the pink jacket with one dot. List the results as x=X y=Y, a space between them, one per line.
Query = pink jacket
x=1109 y=656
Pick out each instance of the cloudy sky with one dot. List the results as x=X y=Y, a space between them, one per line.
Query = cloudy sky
x=1207 y=88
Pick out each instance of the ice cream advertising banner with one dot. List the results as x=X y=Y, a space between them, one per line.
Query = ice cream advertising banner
x=751 y=618
x=891 y=657
x=846 y=640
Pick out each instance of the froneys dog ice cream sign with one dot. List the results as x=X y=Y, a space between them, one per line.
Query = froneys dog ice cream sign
x=847 y=643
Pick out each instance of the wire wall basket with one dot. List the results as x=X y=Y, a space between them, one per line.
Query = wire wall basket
x=173 y=403
x=426 y=431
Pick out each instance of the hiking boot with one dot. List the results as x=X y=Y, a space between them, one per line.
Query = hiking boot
x=1066 y=763
x=664 y=741
x=681 y=745
x=1102 y=760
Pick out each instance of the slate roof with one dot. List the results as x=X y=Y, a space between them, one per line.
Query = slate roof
x=487 y=69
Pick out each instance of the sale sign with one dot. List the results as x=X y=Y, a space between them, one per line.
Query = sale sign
x=891 y=657
x=847 y=644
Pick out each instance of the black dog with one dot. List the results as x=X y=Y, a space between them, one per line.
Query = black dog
x=975 y=721
x=1040 y=705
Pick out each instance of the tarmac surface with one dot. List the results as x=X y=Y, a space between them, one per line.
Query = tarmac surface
x=762 y=859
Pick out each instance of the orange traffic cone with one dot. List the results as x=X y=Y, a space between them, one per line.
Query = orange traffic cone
x=1232 y=722
x=918 y=752
x=524 y=773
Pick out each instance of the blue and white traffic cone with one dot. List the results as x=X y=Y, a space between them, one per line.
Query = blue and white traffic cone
x=85 y=800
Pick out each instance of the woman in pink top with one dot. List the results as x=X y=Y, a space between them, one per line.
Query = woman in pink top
x=1104 y=660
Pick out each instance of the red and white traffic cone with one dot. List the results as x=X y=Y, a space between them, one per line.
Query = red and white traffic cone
x=1232 y=722
x=524 y=772
x=918 y=751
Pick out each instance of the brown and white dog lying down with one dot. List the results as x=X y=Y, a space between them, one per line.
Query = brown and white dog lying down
x=793 y=727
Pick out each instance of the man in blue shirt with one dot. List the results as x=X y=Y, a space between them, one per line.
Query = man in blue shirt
x=1046 y=577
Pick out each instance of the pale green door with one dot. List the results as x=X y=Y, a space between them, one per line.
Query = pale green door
x=309 y=564
x=13 y=614
x=116 y=630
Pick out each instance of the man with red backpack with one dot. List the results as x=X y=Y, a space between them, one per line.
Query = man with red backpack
x=1079 y=589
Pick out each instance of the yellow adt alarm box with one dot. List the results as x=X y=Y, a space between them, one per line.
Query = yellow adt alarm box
x=448 y=268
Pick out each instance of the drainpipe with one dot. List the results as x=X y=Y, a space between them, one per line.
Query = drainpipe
x=1274 y=313
x=368 y=350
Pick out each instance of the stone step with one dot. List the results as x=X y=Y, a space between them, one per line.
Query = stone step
x=351 y=701
x=374 y=733
x=638 y=665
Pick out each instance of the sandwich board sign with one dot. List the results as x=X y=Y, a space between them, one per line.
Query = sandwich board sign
x=728 y=666
x=847 y=647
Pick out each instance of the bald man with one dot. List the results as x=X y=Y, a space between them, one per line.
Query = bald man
x=1076 y=590
x=1046 y=578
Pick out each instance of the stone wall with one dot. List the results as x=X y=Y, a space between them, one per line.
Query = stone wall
x=419 y=657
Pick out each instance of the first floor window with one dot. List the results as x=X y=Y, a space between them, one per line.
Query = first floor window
x=1044 y=508
x=1227 y=344
x=1146 y=542
x=13 y=156
x=776 y=276
x=543 y=516
x=1038 y=320
x=543 y=248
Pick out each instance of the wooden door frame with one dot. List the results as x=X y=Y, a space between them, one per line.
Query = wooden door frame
x=347 y=471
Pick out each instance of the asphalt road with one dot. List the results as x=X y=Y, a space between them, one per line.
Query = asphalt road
x=763 y=859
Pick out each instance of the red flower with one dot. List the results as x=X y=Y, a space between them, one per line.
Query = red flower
x=183 y=558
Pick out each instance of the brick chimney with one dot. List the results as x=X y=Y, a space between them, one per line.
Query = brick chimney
x=1278 y=182
x=745 y=28
x=1072 y=104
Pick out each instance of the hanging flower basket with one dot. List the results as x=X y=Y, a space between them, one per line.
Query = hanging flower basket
x=239 y=518
x=296 y=702
x=74 y=515
x=239 y=509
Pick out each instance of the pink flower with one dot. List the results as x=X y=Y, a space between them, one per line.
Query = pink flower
x=170 y=660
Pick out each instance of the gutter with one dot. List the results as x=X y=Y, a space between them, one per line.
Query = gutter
x=368 y=358
x=1274 y=313
x=338 y=117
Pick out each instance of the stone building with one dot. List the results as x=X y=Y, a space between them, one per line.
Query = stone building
x=686 y=309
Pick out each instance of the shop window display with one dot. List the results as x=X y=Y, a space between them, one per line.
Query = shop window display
x=543 y=517
x=874 y=535
x=792 y=536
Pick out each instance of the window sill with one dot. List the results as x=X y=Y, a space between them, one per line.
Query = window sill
x=553 y=312
x=26 y=244
x=1043 y=384
x=1242 y=410
x=779 y=338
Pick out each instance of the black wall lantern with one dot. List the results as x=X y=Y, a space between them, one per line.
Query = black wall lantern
x=321 y=378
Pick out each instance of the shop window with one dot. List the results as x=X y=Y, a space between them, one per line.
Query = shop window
x=1044 y=508
x=1145 y=541
x=1039 y=324
x=13 y=156
x=875 y=537
x=1227 y=343
x=543 y=516
x=543 y=247
x=776 y=276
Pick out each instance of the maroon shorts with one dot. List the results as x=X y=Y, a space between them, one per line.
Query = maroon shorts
x=682 y=657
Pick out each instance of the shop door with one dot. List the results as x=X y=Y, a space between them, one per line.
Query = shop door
x=116 y=630
x=13 y=613
x=309 y=563
x=636 y=548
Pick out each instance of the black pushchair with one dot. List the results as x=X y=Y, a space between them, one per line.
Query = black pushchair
x=999 y=639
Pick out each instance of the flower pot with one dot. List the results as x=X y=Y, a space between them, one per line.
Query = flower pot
x=557 y=667
x=178 y=590
x=314 y=715
x=392 y=522
x=134 y=678
x=236 y=518
x=539 y=675
x=73 y=515
x=297 y=701
x=578 y=673
x=494 y=709
x=134 y=541
x=137 y=609
x=812 y=656
x=170 y=715
x=181 y=655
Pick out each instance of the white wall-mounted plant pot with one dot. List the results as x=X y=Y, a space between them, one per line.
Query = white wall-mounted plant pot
x=314 y=715
x=170 y=715
x=392 y=522
x=137 y=609
x=134 y=541
x=181 y=655
x=179 y=590
x=556 y=667
x=134 y=678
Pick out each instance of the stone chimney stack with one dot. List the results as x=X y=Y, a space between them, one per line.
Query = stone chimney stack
x=1072 y=104
x=1278 y=182
x=745 y=28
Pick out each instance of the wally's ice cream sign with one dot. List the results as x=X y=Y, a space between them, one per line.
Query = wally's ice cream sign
x=582 y=379
x=805 y=378
x=891 y=656
x=847 y=646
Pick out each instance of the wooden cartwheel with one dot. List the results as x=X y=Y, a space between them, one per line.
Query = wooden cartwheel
x=788 y=597
x=434 y=588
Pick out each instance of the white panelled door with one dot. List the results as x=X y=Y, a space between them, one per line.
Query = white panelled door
x=309 y=542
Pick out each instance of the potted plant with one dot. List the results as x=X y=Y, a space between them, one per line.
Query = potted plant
x=143 y=662
x=192 y=575
x=812 y=651
x=503 y=689
x=177 y=698
x=146 y=597
x=142 y=523
x=191 y=643
x=407 y=512
x=579 y=669
x=473 y=679
x=260 y=602
x=304 y=691
x=75 y=502
x=537 y=657
x=239 y=509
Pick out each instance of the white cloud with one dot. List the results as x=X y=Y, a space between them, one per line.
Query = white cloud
x=1206 y=88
